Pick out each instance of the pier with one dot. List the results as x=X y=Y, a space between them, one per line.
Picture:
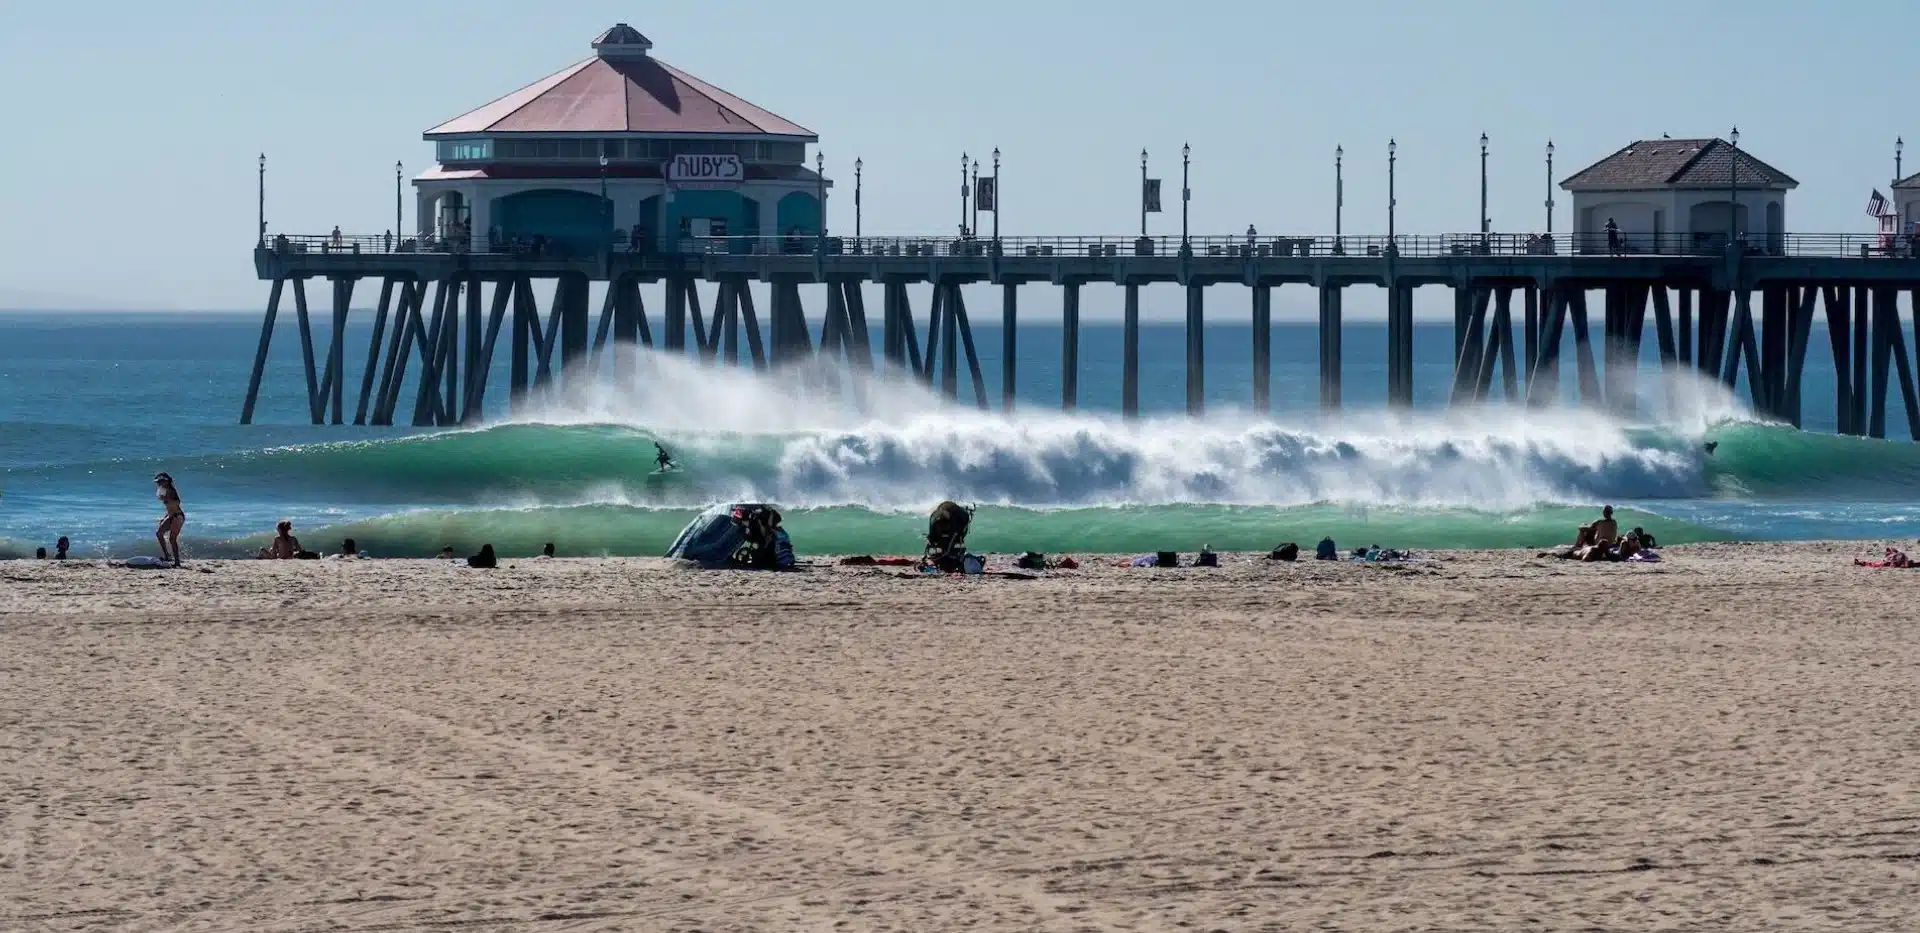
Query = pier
x=524 y=214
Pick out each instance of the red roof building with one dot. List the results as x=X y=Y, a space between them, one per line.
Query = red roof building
x=620 y=145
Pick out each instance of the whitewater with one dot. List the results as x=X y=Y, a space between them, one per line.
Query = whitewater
x=856 y=459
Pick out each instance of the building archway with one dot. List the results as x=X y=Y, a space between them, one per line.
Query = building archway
x=1709 y=222
x=568 y=222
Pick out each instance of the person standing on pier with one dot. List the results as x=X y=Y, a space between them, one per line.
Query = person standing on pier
x=168 y=531
x=1613 y=238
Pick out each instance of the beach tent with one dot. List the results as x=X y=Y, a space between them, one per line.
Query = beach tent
x=710 y=538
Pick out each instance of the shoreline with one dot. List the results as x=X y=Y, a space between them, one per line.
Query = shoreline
x=43 y=586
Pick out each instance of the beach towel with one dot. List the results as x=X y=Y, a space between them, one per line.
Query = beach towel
x=1644 y=556
x=1144 y=560
x=145 y=562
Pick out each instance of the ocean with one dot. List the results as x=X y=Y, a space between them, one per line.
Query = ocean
x=91 y=405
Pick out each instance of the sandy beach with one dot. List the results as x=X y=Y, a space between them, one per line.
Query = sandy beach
x=1726 y=740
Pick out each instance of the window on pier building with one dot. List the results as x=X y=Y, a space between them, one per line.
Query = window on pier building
x=466 y=150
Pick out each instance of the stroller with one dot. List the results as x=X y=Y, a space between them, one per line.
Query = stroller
x=947 y=537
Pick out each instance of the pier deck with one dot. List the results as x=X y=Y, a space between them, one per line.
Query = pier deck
x=1698 y=289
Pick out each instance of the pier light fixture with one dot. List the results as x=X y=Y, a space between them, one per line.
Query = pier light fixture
x=1733 y=189
x=1899 y=147
x=1339 y=190
x=858 y=164
x=820 y=198
x=263 y=200
x=1186 y=194
x=963 y=193
x=997 y=194
x=1393 y=156
x=1143 y=194
x=606 y=206
x=1549 y=187
x=398 y=185
x=973 y=224
x=1484 y=222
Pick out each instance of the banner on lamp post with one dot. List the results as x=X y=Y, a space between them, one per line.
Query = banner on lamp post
x=1150 y=196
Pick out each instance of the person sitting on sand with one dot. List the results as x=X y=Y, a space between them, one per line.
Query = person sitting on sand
x=546 y=550
x=1602 y=532
x=485 y=560
x=284 y=545
x=349 y=548
x=446 y=552
x=60 y=548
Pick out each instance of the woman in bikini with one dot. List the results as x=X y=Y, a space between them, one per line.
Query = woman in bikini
x=168 y=531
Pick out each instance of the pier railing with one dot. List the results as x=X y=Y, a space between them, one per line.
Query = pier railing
x=1255 y=246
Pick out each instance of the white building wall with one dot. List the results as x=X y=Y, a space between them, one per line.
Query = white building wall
x=1669 y=212
x=1907 y=202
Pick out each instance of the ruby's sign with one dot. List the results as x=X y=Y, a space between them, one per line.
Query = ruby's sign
x=720 y=168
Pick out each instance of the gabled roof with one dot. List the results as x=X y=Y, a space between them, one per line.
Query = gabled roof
x=621 y=89
x=1911 y=181
x=1677 y=163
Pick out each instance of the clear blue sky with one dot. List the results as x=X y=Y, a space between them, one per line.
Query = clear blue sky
x=129 y=161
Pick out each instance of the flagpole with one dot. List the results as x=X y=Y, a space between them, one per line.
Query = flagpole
x=1143 y=192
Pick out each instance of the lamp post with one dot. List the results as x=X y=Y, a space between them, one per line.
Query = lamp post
x=263 y=199
x=1393 y=155
x=1143 y=193
x=399 y=232
x=997 y=196
x=820 y=198
x=1733 y=189
x=974 y=224
x=1186 y=194
x=857 y=165
x=606 y=208
x=1483 y=186
x=963 y=194
x=1339 y=190
x=1899 y=146
x=1549 y=187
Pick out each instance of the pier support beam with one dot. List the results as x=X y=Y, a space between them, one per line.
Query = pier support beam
x=1530 y=347
x=1130 y=353
x=1330 y=352
x=570 y=303
x=1009 y=341
x=1399 y=344
x=260 y=355
x=1262 y=347
x=372 y=369
x=1196 y=350
x=1070 y=346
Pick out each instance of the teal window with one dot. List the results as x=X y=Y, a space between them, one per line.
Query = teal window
x=466 y=150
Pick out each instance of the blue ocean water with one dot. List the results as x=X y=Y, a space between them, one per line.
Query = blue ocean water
x=91 y=405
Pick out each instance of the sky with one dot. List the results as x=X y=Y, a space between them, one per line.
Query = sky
x=127 y=177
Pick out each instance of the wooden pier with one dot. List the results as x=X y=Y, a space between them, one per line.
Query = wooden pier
x=441 y=307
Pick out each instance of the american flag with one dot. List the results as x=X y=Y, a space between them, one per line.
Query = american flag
x=1877 y=205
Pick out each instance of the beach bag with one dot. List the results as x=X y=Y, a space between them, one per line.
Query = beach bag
x=1207 y=559
x=1031 y=560
x=1326 y=550
x=1166 y=559
x=1287 y=552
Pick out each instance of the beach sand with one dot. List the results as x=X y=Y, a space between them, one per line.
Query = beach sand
x=1727 y=740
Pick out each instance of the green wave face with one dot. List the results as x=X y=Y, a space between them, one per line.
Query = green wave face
x=616 y=530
